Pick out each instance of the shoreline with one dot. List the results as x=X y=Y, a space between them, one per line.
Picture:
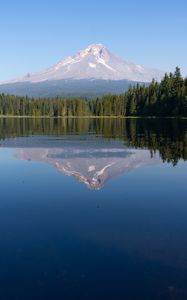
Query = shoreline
x=91 y=117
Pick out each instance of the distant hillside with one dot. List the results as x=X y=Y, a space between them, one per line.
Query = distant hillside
x=68 y=88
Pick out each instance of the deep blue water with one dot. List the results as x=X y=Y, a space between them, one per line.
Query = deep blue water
x=85 y=216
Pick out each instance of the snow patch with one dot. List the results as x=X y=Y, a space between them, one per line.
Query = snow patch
x=140 y=68
x=91 y=168
x=101 y=172
x=102 y=61
x=91 y=65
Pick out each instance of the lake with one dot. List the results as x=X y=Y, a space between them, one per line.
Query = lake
x=93 y=209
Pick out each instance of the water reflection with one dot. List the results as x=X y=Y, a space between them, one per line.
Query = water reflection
x=92 y=162
x=96 y=150
x=167 y=136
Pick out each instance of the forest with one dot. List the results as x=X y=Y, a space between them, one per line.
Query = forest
x=165 y=99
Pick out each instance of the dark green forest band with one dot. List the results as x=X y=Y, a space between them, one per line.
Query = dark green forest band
x=168 y=98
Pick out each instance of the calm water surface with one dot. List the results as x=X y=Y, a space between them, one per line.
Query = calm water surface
x=93 y=209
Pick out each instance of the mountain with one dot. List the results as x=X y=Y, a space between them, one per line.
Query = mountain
x=85 y=88
x=94 y=62
x=92 y=68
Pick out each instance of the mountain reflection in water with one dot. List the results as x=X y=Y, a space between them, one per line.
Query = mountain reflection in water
x=92 y=164
x=96 y=150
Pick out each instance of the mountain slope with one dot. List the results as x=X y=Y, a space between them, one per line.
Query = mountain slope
x=91 y=68
x=67 y=88
x=94 y=62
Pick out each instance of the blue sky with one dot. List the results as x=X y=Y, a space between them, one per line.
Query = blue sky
x=36 y=34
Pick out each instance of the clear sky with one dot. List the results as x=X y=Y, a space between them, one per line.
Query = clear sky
x=36 y=34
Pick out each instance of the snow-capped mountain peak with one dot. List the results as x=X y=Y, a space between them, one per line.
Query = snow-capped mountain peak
x=93 y=62
x=94 y=54
x=95 y=49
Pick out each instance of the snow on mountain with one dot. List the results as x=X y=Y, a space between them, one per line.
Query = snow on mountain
x=94 y=62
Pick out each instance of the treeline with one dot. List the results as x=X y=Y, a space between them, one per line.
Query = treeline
x=167 y=98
